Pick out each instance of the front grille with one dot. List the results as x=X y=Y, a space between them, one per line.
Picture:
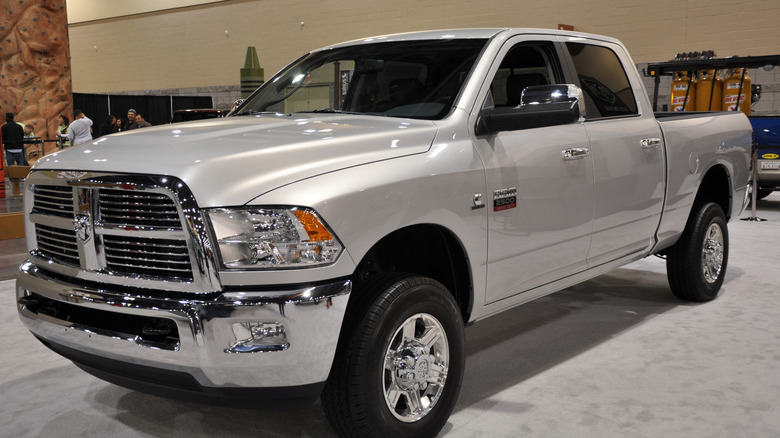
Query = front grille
x=53 y=201
x=164 y=258
x=57 y=244
x=129 y=208
x=133 y=232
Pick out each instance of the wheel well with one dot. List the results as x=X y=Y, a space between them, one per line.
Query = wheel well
x=715 y=187
x=428 y=250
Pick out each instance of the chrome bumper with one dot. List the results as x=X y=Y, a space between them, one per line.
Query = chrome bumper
x=208 y=329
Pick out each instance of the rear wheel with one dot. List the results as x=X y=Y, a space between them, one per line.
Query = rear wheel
x=400 y=362
x=696 y=264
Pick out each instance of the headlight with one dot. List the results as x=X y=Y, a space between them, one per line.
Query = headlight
x=272 y=238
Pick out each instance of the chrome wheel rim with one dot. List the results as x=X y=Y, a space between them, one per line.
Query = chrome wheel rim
x=712 y=253
x=415 y=367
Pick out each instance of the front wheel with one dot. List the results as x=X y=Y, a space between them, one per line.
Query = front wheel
x=696 y=264
x=400 y=364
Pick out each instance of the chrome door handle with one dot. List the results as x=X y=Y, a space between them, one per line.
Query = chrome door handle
x=574 y=153
x=649 y=143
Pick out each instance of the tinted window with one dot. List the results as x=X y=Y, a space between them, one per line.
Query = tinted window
x=603 y=81
x=418 y=79
x=526 y=64
x=186 y=116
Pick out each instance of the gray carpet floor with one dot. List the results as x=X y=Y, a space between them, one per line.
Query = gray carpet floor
x=617 y=356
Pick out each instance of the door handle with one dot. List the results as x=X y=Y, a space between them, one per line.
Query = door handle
x=649 y=143
x=574 y=153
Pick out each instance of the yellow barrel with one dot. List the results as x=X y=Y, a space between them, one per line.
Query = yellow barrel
x=683 y=86
x=709 y=92
x=734 y=85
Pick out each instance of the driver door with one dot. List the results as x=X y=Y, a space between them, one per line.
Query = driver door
x=540 y=203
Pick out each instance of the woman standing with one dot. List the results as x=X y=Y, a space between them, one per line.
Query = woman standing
x=62 y=132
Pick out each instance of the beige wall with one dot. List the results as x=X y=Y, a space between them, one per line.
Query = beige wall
x=80 y=11
x=189 y=46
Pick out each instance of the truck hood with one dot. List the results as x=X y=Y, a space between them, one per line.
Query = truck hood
x=233 y=160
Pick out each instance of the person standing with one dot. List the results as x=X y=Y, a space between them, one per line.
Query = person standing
x=131 y=124
x=118 y=126
x=62 y=132
x=29 y=137
x=13 y=137
x=108 y=126
x=79 y=130
x=139 y=120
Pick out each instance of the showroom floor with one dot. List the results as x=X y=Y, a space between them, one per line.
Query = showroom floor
x=617 y=356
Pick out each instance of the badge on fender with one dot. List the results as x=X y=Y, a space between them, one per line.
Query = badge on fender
x=504 y=199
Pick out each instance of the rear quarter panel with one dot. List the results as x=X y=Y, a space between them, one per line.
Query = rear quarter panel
x=695 y=144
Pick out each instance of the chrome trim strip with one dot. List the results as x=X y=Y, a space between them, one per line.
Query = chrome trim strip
x=51 y=221
x=137 y=231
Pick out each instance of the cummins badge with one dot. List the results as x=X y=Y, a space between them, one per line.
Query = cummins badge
x=504 y=199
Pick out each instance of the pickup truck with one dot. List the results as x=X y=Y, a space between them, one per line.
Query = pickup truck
x=767 y=142
x=335 y=234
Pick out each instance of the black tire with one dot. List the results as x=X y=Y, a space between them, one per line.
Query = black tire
x=696 y=264
x=354 y=398
x=763 y=193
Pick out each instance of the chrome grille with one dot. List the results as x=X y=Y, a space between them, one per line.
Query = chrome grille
x=130 y=208
x=164 y=258
x=54 y=201
x=59 y=245
x=128 y=230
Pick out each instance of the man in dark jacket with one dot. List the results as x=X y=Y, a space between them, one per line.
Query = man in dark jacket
x=131 y=123
x=139 y=120
x=13 y=137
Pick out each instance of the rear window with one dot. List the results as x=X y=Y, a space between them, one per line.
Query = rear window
x=603 y=80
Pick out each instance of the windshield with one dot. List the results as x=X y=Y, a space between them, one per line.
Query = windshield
x=416 y=79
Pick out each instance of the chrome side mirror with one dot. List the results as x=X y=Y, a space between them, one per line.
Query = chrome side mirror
x=553 y=94
x=540 y=105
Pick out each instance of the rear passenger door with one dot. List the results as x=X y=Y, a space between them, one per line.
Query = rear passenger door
x=540 y=204
x=626 y=149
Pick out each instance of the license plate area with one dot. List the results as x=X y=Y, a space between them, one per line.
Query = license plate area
x=770 y=165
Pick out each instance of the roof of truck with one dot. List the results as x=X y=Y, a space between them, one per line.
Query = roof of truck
x=484 y=33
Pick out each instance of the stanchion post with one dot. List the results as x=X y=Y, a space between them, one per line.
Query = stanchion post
x=754 y=195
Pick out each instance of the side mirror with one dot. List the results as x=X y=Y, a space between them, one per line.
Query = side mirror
x=540 y=105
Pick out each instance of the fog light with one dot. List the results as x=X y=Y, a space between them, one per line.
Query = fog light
x=258 y=337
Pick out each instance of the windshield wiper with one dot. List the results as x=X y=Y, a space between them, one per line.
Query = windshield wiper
x=323 y=110
x=255 y=113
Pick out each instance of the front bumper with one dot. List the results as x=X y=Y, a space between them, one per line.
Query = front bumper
x=187 y=345
x=768 y=178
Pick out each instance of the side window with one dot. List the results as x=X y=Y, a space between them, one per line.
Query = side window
x=526 y=64
x=603 y=80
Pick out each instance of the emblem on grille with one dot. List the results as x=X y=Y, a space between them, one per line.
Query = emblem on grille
x=83 y=227
x=70 y=175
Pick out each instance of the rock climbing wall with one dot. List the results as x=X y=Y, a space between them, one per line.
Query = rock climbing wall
x=35 y=80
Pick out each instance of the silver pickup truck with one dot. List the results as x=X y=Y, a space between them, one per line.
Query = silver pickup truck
x=334 y=235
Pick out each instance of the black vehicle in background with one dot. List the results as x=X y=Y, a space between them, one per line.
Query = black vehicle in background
x=187 y=115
